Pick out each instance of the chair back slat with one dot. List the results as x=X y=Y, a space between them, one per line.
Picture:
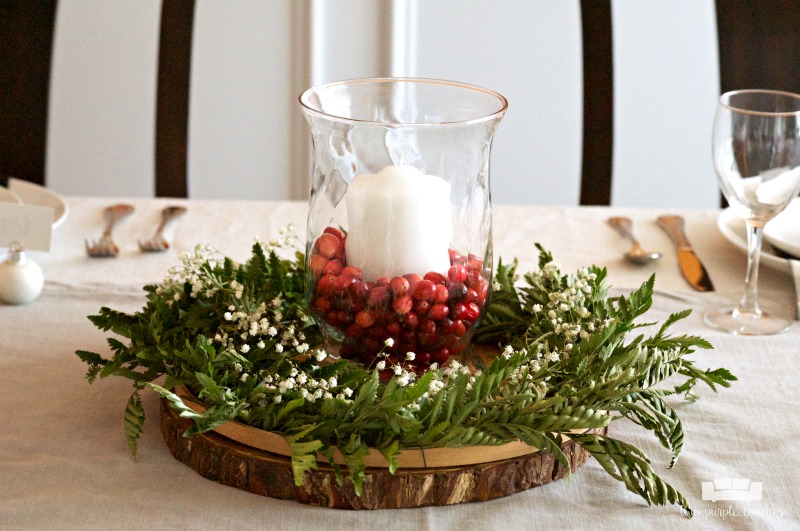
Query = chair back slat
x=758 y=44
x=172 y=98
x=598 y=102
x=26 y=38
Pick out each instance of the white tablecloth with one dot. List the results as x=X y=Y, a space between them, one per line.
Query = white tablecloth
x=65 y=464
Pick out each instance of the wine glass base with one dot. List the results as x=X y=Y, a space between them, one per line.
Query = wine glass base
x=746 y=324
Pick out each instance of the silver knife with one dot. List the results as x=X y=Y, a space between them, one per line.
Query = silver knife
x=691 y=267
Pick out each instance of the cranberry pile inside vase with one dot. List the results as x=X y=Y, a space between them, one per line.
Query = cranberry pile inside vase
x=431 y=313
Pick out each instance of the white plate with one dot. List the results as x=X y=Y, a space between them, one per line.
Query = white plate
x=733 y=228
x=7 y=196
x=34 y=194
x=783 y=232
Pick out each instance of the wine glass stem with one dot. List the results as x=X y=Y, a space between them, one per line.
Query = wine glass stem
x=749 y=303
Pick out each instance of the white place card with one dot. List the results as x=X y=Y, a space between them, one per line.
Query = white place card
x=29 y=225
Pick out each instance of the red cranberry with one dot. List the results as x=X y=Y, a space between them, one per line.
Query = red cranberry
x=438 y=311
x=459 y=328
x=483 y=293
x=326 y=285
x=411 y=320
x=354 y=331
x=344 y=317
x=442 y=293
x=328 y=245
x=472 y=296
x=423 y=359
x=378 y=296
x=316 y=263
x=413 y=280
x=457 y=291
x=403 y=304
x=457 y=273
x=471 y=312
x=371 y=345
x=474 y=262
x=455 y=258
x=378 y=334
x=394 y=329
x=399 y=286
x=426 y=326
x=428 y=340
x=334 y=267
x=446 y=325
x=322 y=304
x=365 y=319
x=350 y=348
x=422 y=307
x=343 y=283
x=359 y=291
x=353 y=272
x=442 y=356
x=335 y=232
x=424 y=291
x=383 y=281
x=436 y=278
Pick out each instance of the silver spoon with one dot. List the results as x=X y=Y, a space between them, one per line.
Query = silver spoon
x=636 y=255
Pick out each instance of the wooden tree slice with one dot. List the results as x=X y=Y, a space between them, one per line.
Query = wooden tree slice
x=232 y=463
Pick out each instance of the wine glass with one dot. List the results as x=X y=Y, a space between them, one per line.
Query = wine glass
x=756 y=151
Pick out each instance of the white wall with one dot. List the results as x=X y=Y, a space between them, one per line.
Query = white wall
x=529 y=51
x=251 y=59
x=102 y=98
x=666 y=84
x=242 y=100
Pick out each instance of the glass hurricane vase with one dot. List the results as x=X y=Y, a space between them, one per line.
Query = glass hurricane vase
x=399 y=243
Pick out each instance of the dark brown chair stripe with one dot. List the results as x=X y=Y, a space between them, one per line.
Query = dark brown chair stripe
x=598 y=103
x=172 y=107
x=759 y=44
x=26 y=43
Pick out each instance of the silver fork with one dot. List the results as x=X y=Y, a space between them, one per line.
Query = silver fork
x=158 y=243
x=105 y=246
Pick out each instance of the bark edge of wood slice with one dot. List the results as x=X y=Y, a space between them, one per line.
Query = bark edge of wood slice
x=231 y=463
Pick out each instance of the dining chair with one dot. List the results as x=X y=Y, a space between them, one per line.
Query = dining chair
x=755 y=45
x=170 y=123
x=38 y=109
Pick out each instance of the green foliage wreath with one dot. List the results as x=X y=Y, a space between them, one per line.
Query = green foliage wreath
x=239 y=336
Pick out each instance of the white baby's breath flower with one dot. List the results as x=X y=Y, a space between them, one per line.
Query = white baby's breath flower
x=278 y=348
x=410 y=356
x=245 y=348
x=380 y=365
x=320 y=355
x=389 y=342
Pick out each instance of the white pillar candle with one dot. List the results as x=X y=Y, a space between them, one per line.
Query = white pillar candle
x=399 y=222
